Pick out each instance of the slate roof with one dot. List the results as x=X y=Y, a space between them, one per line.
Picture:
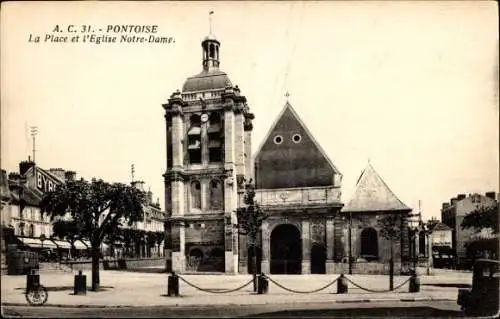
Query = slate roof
x=288 y=108
x=373 y=194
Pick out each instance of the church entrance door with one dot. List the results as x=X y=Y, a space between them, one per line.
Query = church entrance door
x=286 y=250
x=318 y=259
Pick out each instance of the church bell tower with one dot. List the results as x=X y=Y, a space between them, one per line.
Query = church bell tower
x=208 y=137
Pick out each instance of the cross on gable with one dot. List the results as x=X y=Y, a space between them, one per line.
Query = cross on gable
x=287 y=95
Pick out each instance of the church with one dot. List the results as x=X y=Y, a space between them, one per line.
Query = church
x=309 y=228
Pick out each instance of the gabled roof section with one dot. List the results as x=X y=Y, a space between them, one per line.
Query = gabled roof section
x=440 y=226
x=57 y=178
x=288 y=107
x=373 y=194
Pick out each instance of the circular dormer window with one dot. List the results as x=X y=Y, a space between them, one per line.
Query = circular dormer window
x=296 y=138
x=278 y=139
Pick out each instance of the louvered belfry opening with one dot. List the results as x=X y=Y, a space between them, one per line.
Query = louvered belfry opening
x=215 y=134
x=194 y=139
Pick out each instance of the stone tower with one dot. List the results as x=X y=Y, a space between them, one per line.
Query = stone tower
x=208 y=134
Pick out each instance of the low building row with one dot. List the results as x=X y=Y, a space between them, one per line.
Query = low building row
x=25 y=226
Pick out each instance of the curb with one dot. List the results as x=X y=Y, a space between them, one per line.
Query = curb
x=416 y=299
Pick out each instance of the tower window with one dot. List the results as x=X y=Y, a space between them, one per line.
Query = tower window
x=216 y=196
x=278 y=139
x=195 y=195
x=297 y=138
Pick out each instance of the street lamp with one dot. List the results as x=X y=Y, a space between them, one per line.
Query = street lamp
x=413 y=224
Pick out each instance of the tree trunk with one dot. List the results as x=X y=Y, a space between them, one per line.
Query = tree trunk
x=95 y=267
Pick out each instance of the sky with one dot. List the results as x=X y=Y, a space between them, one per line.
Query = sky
x=411 y=87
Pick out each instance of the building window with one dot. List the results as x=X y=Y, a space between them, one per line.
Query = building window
x=195 y=195
x=278 y=139
x=31 y=231
x=216 y=196
x=369 y=244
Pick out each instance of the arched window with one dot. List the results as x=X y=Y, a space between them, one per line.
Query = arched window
x=215 y=195
x=195 y=195
x=31 y=231
x=212 y=51
x=369 y=244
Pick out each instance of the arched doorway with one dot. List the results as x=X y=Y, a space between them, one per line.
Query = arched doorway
x=258 y=253
x=369 y=244
x=318 y=259
x=286 y=250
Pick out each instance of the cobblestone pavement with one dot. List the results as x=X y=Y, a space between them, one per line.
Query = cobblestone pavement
x=149 y=289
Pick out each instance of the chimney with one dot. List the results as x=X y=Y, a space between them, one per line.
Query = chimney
x=491 y=195
x=460 y=196
x=150 y=196
x=69 y=176
x=15 y=177
x=453 y=201
x=445 y=206
x=24 y=166
x=139 y=185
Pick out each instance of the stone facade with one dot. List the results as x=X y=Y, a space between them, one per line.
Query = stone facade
x=208 y=128
x=208 y=132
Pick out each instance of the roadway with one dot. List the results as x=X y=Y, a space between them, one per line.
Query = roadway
x=398 y=309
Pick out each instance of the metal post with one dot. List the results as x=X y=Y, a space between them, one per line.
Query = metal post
x=350 y=243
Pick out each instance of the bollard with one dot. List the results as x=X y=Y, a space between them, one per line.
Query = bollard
x=32 y=280
x=342 y=284
x=262 y=284
x=80 y=287
x=173 y=285
x=414 y=283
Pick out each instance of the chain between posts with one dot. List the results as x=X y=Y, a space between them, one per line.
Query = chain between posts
x=215 y=291
x=302 y=291
x=374 y=290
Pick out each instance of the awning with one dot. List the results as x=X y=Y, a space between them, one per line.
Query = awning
x=62 y=244
x=79 y=245
x=37 y=243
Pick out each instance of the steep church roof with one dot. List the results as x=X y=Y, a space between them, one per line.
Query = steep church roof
x=290 y=157
x=373 y=194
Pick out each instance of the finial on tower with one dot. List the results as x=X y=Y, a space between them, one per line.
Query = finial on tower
x=132 y=168
x=210 y=21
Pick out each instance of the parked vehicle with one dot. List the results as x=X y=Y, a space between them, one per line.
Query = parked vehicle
x=483 y=298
